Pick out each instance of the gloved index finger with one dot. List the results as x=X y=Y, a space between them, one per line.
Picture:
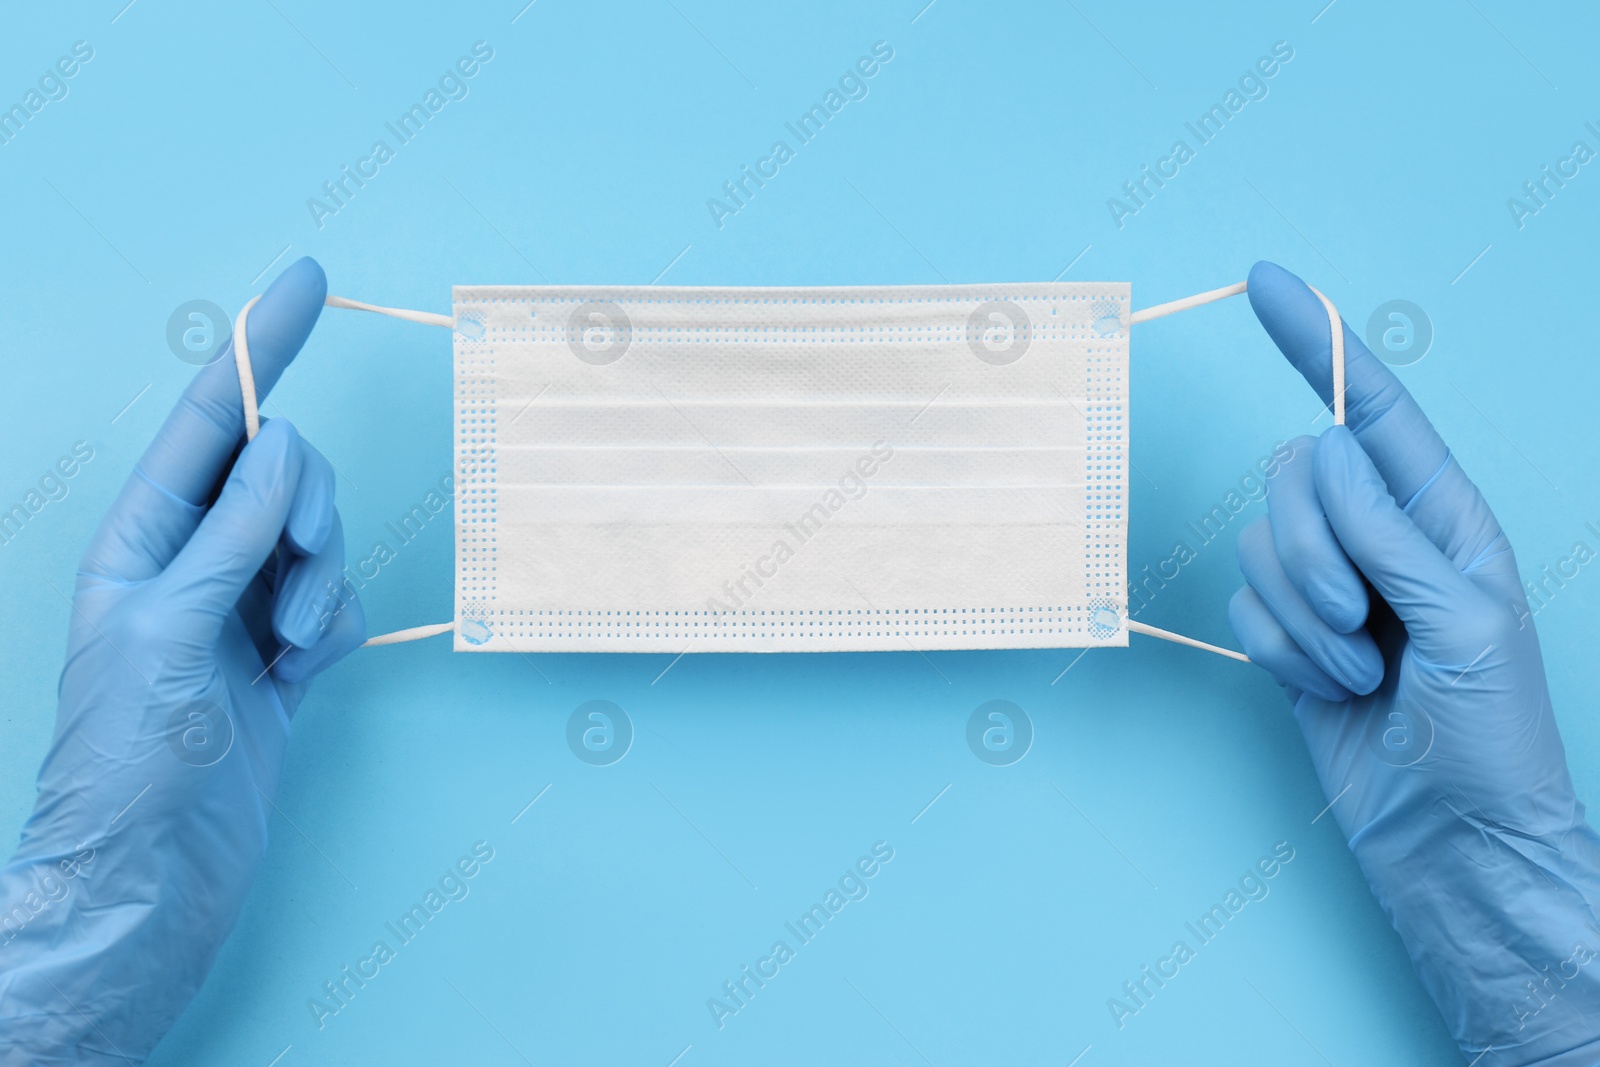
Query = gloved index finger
x=164 y=499
x=1384 y=417
x=194 y=445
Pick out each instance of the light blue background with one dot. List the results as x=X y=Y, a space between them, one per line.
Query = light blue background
x=1378 y=167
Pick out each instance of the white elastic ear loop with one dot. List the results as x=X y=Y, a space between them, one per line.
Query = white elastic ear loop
x=247 y=374
x=241 y=348
x=1336 y=353
x=1135 y=627
x=1172 y=307
x=411 y=633
x=1336 y=334
x=1335 y=329
x=252 y=415
x=426 y=318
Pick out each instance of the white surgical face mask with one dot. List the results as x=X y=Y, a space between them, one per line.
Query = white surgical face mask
x=646 y=469
x=763 y=470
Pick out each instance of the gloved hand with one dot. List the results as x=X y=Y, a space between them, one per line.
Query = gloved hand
x=1424 y=704
x=210 y=595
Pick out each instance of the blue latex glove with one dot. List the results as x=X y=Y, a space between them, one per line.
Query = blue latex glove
x=1425 y=705
x=174 y=712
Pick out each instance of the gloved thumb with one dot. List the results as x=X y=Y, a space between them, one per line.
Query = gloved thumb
x=1440 y=607
x=204 y=581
